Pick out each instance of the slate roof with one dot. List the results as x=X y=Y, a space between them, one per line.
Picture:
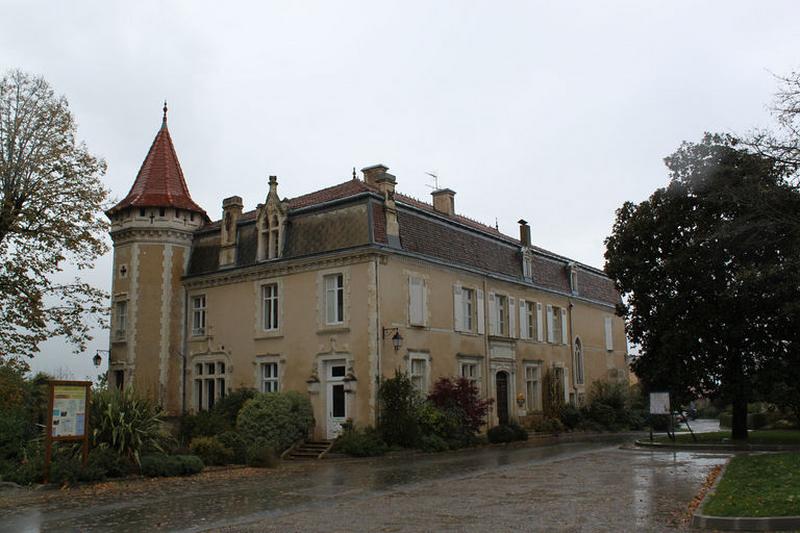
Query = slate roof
x=160 y=181
x=322 y=227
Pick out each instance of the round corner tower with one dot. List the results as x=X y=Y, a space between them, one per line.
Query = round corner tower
x=152 y=229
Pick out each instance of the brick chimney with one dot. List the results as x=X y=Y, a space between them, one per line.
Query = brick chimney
x=444 y=201
x=524 y=233
x=373 y=173
x=231 y=211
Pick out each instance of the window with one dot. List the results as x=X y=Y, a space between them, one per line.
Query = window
x=119 y=379
x=502 y=314
x=418 y=370
x=162 y=212
x=556 y=312
x=573 y=279
x=579 y=379
x=467 y=306
x=141 y=212
x=416 y=301
x=609 y=334
x=533 y=393
x=122 y=319
x=269 y=377
x=527 y=319
x=527 y=266
x=557 y=325
x=269 y=307
x=209 y=384
x=334 y=299
x=471 y=370
x=199 y=315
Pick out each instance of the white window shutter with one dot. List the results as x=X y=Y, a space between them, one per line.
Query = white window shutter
x=423 y=289
x=512 y=327
x=539 y=323
x=458 y=308
x=481 y=314
x=523 y=320
x=609 y=334
x=492 y=314
x=564 y=332
x=416 y=304
x=550 y=325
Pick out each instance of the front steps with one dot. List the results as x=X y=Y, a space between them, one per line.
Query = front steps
x=309 y=450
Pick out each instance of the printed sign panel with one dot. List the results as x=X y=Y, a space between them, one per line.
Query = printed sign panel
x=659 y=403
x=69 y=411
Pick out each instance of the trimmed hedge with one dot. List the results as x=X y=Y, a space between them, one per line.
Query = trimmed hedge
x=211 y=451
x=365 y=442
x=171 y=465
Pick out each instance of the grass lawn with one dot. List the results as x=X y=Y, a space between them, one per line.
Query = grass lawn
x=758 y=485
x=769 y=436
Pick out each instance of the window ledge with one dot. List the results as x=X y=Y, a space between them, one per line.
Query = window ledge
x=120 y=340
x=333 y=329
x=268 y=335
x=198 y=338
x=468 y=333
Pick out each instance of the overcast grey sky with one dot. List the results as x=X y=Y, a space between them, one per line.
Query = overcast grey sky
x=556 y=112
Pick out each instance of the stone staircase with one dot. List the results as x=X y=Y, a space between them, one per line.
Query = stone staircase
x=309 y=450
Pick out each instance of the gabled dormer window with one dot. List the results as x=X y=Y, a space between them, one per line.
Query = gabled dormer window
x=573 y=277
x=271 y=223
x=527 y=264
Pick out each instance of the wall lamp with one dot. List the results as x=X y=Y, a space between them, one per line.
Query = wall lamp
x=397 y=339
x=97 y=359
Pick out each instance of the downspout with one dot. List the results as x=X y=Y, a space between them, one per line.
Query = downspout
x=184 y=345
x=486 y=363
x=571 y=306
x=379 y=342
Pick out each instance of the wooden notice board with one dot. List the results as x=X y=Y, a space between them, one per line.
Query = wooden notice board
x=67 y=417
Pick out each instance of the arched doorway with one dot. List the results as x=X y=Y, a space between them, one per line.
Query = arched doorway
x=501 y=388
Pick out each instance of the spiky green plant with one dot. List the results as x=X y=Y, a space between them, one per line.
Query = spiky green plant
x=126 y=423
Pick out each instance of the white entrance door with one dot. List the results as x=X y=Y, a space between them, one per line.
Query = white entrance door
x=336 y=403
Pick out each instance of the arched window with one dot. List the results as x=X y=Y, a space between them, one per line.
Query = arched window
x=579 y=374
x=270 y=239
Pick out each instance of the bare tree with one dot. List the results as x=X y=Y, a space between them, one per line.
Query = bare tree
x=51 y=199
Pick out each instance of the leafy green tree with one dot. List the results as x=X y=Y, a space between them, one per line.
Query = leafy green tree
x=51 y=197
x=709 y=273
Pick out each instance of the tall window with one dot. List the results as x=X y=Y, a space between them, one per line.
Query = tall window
x=269 y=377
x=533 y=392
x=530 y=319
x=199 y=315
x=209 y=384
x=609 y=333
x=468 y=303
x=334 y=299
x=419 y=373
x=556 y=325
x=269 y=307
x=502 y=314
x=578 y=362
x=527 y=266
x=122 y=320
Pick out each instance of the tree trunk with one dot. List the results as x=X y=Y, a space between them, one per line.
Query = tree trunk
x=739 y=422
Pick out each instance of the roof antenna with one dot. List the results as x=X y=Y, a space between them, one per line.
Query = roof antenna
x=354 y=173
x=164 y=121
x=435 y=177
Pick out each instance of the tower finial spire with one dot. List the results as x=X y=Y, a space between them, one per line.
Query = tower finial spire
x=164 y=121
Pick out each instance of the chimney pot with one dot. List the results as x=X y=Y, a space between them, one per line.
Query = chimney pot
x=372 y=173
x=444 y=201
x=524 y=233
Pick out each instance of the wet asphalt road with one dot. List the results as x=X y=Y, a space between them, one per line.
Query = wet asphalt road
x=588 y=486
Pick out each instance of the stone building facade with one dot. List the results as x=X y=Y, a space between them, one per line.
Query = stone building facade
x=328 y=292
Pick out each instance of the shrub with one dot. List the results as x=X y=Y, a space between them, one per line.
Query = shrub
x=433 y=443
x=127 y=424
x=520 y=433
x=202 y=424
x=15 y=431
x=171 y=465
x=432 y=420
x=211 y=451
x=279 y=418
x=236 y=443
x=399 y=401
x=570 y=416
x=227 y=408
x=502 y=433
x=109 y=462
x=360 y=443
x=549 y=425
x=461 y=399
x=261 y=455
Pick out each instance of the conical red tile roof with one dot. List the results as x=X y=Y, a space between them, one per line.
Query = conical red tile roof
x=160 y=181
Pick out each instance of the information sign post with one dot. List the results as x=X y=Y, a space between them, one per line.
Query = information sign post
x=67 y=418
x=659 y=405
